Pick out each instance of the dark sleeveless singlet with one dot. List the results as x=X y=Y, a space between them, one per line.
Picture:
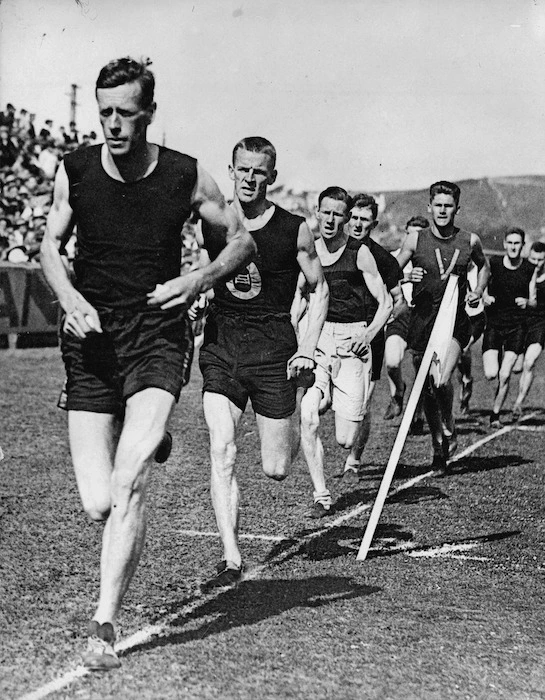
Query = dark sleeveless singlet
x=505 y=285
x=349 y=297
x=129 y=233
x=440 y=258
x=267 y=284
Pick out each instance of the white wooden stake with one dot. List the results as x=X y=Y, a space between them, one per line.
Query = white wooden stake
x=436 y=351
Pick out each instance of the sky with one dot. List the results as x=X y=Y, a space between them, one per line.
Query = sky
x=372 y=95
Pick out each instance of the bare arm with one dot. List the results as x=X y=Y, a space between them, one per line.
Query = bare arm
x=221 y=226
x=81 y=318
x=399 y=301
x=317 y=301
x=481 y=261
x=375 y=284
x=532 y=301
x=299 y=304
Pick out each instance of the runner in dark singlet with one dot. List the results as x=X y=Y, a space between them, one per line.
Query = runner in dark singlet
x=396 y=333
x=436 y=253
x=124 y=338
x=534 y=341
x=362 y=221
x=507 y=302
x=250 y=350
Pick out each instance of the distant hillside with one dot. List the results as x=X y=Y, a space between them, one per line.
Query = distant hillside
x=488 y=207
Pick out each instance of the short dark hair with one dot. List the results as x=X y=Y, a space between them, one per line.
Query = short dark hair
x=445 y=187
x=419 y=221
x=515 y=229
x=365 y=201
x=338 y=193
x=538 y=247
x=256 y=144
x=121 y=71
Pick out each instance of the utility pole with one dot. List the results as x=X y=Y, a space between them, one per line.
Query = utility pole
x=73 y=103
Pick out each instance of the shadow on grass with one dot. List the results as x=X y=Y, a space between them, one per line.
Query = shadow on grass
x=418 y=494
x=254 y=601
x=389 y=539
x=387 y=548
x=343 y=541
x=473 y=465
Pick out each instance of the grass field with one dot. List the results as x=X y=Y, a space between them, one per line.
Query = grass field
x=448 y=605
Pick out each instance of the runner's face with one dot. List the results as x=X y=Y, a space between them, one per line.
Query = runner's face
x=361 y=222
x=123 y=120
x=513 y=246
x=537 y=259
x=331 y=217
x=443 y=209
x=252 y=173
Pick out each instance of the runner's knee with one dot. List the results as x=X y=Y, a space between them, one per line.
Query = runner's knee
x=276 y=466
x=97 y=508
x=223 y=454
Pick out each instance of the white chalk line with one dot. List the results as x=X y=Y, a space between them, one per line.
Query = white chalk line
x=161 y=630
x=241 y=536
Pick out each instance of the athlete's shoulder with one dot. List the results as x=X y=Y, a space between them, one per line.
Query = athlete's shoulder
x=76 y=162
x=170 y=156
x=83 y=155
x=496 y=262
x=528 y=267
x=283 y=214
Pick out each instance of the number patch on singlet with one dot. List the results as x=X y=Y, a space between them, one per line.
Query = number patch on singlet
x=247 y=284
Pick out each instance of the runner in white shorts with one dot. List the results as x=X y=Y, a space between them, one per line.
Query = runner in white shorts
x=343 y=355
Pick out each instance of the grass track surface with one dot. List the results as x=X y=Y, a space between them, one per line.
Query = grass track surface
x=449 y=603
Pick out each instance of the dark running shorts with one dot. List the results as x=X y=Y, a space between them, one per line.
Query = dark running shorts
x=535 y=333
x=137 y=350
x=245 y=357
x=420 y=330
x=506 y=339
x=400 y=325
x=478 y=324
x=377 y=349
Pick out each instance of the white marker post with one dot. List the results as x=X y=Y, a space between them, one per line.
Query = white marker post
x=434 y=358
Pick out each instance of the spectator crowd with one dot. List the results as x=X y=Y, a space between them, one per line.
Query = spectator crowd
x=29 y=157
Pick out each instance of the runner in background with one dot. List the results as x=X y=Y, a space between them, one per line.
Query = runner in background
x=396 y=333
x=507 y=302
x=534 y=340
x=343 y=354
x=477 y=318
x=436 y=253
x=362 y=221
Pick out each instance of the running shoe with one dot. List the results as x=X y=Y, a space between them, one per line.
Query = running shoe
x=227 y=574
x=395 y=407
x=320 y=510
x=322 y=505
x=495 y=420
x=349 y=476
x=162 y=453
x=100 y=654
x=516 y=413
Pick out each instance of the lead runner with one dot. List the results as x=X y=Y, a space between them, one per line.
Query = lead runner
x=124 y=339
x=436 y=253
